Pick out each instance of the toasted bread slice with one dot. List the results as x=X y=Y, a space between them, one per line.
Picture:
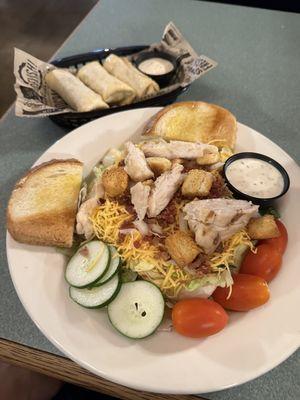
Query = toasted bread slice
x=43 y=205
x=194 y=121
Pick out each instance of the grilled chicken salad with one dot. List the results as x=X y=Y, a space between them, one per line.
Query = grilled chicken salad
x=159 y=226
x=173 y=220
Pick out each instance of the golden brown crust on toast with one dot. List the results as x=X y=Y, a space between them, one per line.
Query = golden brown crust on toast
x=53 y=230
x=49 y=229
x=32 y=170
x=216 y=124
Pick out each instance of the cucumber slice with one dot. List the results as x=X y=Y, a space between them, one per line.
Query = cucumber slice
x=96 y=297
x=138 y=309
x=113 y=268
x=88 y=264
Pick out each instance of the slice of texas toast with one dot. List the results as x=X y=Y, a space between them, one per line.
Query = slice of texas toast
x=43 y=205
x=194 y=121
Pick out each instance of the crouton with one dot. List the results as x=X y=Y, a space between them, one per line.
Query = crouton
x=182 y=248
x=208 y=159
x=197 y=183
x=159 y=164
x=115 y=181
x=263 y=227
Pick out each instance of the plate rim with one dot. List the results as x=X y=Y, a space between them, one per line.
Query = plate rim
x=118 y=380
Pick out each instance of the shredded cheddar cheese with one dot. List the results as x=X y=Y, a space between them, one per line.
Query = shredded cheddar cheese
x=226 y=258
x=145 y=258
x=137 y=254
x=108 y=219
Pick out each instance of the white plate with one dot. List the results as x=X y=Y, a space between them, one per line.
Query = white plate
x=251 y=344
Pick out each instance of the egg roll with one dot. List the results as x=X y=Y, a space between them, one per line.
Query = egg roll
x=73 y=91
x=122 y=69
x=108 y=86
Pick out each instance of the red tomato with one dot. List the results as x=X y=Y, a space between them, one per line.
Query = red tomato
x=198 y=317
x=279 y=243
x=248 y=291
x=266 y=262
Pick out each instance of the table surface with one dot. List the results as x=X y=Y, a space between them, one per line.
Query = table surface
x=257 y=79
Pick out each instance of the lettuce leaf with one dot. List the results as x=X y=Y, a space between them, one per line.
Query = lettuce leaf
x=98 y=170
x=128 y=276
x=222 y=279
x=269 y=210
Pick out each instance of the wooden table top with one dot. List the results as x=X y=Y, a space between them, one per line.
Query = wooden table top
x=66 y=370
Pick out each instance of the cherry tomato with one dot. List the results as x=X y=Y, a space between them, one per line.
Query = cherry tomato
x=266 y=262
x=279 y=243
x=248 y=291
x=198 y=317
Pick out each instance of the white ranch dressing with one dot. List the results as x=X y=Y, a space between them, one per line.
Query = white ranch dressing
x=255 y=177
x=156 y=66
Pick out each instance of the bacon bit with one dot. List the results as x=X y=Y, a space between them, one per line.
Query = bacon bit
x=168 y=215
x=84 y=251
x=156 y=241
x=125 y=201
x=147 y=238
x=218 y=189
x=128 y=224
x=137 y=243
x=150 y=220
x=121 y=237
x=190 y=164
x=200 y=266
x=165 y=255
x=220 y=248
x=100 y=201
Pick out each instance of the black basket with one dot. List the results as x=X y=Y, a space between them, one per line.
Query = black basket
x=73 y=120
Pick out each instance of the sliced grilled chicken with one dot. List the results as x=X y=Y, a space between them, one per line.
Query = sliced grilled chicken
x=216 y=220
x=177 y=149
x=83 y=223
x=97 y=190
x=86 y=209
x=135 y=164
x=139 y=199
x=164 y=189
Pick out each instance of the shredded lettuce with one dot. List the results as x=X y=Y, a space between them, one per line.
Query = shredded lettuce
x=128 y=276
x=222 y=279
x=113 y=156
x=239 y=255
x=98 y=170
x=94 y=175
x=141 y=266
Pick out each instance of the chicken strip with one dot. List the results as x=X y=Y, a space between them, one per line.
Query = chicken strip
x=139 y=198
x=135 y=164
x=83 y=223
x=86 y=209
x=97 y=189
x=164 y=189
x=216 y=220
x=177 y=149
